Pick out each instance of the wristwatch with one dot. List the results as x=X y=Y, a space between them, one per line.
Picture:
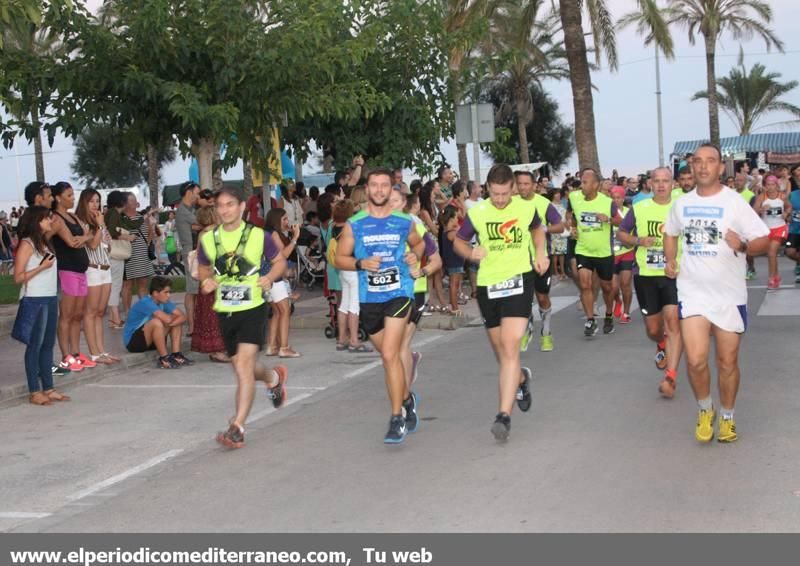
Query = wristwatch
x=358 y=265
x=743 y=247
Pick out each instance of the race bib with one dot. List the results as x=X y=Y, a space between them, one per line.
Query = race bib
x=702 y=236
x=656 y=259
x=590 y=220
x=777 y=211
x=384 y=280
x=507 y=288
x=796 y=216
x=235 y=295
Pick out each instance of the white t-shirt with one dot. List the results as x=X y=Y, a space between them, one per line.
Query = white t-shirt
x=711 y=273
x=469 y=203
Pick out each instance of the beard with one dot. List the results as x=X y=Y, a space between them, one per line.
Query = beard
x=375 y=202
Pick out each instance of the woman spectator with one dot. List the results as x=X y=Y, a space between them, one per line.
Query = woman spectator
x=428 y=215
x=559 y=240
x=311 y=204
x=207 y=337
x=459 y=189
x=277 y=223
x=98 y=276
x=448 y=226
x=349 y=306
x=69 y=241
x=292 y=204
x=359 y=198
x=139 y=267
x=171 y=245
x=36 y=271
x=14 y=222
x=415 y=187
x=116 y=202
x=325 y=212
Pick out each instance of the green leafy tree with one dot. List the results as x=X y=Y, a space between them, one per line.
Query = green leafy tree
x=549 y=139
x=746 y=96
x=710 y=18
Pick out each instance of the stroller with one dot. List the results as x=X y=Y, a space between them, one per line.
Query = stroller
x=332 y=329
x=311 y=266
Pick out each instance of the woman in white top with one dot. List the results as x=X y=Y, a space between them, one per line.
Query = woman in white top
x=35 y=270
x=98 y=275
x=292 y=205
x=774 y=208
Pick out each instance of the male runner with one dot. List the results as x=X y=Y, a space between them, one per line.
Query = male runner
x=657 y=294
x=593 y=215
x=229 y=258
x=373 y=242
x=504 y=226
x=526 y=188
x=717 y=228
x=685 y=183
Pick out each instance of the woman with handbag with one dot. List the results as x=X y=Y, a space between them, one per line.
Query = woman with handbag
x=98 y=276
x=37 y=315
x=119 y=251
x=138 y=267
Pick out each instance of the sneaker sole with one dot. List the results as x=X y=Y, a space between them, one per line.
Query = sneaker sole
x=221 y=439
x=394 y=441
x=728 y=440
x=283 y=377
x=500 y=432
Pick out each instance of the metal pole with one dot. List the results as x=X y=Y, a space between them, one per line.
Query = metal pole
x=476 y=148
x=660 y=119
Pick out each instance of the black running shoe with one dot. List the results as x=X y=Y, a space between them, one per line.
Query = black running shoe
x=410 y=406
x=397 y=430
x=501 y=427
x=524 y=391
x=608 y=325
x=181 y=359
x=590 y=328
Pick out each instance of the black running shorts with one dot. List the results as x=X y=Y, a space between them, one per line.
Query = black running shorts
x=603 y=266
x=373 y=314
x=138 y=342
x=571 y=244
x=493 y=310
x=541 y=283
x=654 y=293
x=243 y=327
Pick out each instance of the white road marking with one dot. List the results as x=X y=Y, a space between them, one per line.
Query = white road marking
x=781 y=303
x=125 y=475
x=21 y=515
x=178 y=386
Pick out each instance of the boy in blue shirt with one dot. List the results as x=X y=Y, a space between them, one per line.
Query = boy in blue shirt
x=151 y=320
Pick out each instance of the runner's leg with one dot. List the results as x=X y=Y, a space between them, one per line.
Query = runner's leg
x=695 y=332
x=727 y=347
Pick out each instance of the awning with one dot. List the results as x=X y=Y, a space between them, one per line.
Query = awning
x=787 y=142
x=530 y=167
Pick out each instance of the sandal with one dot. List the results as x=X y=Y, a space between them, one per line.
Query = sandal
x=54 y=395
x=341 y=347
x=166 y=362
x=115 y=326
x=101 y=359
x=271 y=351
x=457 y=312
x=114 y=359
x=288 y=353
x=232 y=438
x=182 y=360
x=219 y=358
x=39 y=398
x=360 y=349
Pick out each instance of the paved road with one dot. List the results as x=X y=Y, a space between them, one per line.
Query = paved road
x=599 y=451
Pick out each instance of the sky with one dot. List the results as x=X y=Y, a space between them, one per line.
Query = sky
x=624 y=103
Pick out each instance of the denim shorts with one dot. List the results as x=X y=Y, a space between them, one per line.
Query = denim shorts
x=452 y=270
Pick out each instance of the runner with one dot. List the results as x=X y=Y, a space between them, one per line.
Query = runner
x=526 y=187
x=643 y=227
x=793 y=243
x=593 y=216
x=774 y=208
x=373 y=243
x=229 y=258
x=717 y=229
x=740 y=184
x=504 y=226
x=623 y=264
x=685 y=183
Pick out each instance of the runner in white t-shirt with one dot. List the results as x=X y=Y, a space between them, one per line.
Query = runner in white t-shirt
x=718 y=229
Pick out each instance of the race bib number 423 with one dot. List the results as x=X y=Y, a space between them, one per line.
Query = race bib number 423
x=235 y=295
x=384 y=280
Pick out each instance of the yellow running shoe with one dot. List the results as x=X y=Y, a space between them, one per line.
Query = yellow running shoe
x=546 y=344
x=727 y=430
x=704 y=431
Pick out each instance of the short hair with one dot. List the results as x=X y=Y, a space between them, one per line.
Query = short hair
x=594 y=172
x=520 y=173
x=325 y=206
x=710 y=145
x=333 y=188
x=230 y=191
x=188 y=186
x=499 y=174
x=310 y=215
x=158 y=284
x=379 y=173
x=33 y=190
x=685 y=171
x=342 y=210
x=338 y=176
x=115 y=199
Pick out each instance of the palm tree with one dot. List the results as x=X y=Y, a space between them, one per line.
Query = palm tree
x=523 y=49
x=747 y=96
x=712 y=17
x=602 y=29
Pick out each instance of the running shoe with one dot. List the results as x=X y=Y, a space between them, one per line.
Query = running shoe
x=524 y=391
x=727 y=430
x=410 y=407
x=182 y=360
x=590 y=328
x=625 y=318
x=704 y=430
x=526 y=338
x=70 y=363
x=167 y=362
x=59 y=371
x=278 y=391
x=233 y=437
x=617 y=309
x=397 y=430
x=667 y=387
x=772 y=284
x=501 y=427
x=608 y=325
x=546 y=343
x=84 y=361
x=661 y=356
x=416 y=357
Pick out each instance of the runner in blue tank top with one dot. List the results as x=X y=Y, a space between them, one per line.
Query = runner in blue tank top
x=375 y=243
x=793 y=243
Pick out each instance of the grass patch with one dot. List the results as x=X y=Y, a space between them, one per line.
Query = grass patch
x=9 y=291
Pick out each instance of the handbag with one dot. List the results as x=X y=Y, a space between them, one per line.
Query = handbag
x=27 y=314
x=120 y=250
x=151 y=251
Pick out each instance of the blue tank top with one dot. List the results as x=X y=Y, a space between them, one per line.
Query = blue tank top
x=794 y=221
x=387 y=239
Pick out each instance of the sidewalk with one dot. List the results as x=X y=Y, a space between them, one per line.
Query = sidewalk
x=311 y=314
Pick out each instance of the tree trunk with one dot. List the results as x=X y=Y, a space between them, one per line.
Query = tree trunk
x=37 y=145
x=711 y=86
x=153 y=166
x=217 y=170
x=298 y=168
x=463 y=164
x=581 y=80
x=203 y=150
x=247 y=179
x=520 y=103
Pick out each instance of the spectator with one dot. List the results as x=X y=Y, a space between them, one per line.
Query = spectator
x=349 y=307
x=186 y=227
x=139 y=267
x=444 y=176
x=6 y=247
x=38 y=194
x=277 y=223
x=36 y=272
x=116 y=202
x=172 y=245
x=311 y=204
x=292 y=204
x=151 y=321
x=205 y=199
x=358 y=196
x=325 y=211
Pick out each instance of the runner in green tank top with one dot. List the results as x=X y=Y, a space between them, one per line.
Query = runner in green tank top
x=657 y=294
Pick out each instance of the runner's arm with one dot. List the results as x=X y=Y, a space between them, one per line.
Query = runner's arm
x=344 y=249
x=461 y=245
x=415 y=242
x=555 y=224
x=273 y=254
x=627 y=230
